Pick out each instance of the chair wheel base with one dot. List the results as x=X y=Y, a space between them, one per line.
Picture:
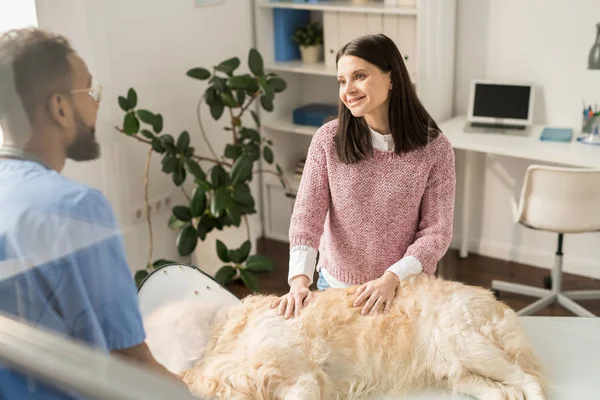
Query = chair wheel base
x=548 y=282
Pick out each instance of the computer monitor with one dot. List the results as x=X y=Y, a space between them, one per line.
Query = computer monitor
x=501 y=103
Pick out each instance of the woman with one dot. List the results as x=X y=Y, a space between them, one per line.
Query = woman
x=377 y=191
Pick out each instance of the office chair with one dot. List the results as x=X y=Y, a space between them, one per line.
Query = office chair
x=563 y=201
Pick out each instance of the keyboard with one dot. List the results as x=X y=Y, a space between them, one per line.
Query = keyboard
x=497 y=126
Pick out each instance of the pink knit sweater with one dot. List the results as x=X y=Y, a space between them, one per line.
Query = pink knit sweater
x=364 y=217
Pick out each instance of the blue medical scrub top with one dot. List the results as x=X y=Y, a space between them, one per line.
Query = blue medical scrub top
x=62 y=267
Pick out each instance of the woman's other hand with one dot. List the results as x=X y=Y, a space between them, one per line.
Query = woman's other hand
x=377 y=294
x=298 y=297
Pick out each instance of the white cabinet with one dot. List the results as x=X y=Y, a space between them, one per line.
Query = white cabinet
x=423 y=30
x=340 y=28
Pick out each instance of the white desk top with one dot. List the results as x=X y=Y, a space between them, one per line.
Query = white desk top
x=569 y=349
x=574 y=154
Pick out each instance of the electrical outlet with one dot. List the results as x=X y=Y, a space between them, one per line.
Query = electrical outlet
x=156 y=206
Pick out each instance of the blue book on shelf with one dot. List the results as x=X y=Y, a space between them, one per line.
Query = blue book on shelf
x=314 y=114
x=285 y=22
x=557 y=134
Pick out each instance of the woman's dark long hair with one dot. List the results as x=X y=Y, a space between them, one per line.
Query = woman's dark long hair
x=411 y=125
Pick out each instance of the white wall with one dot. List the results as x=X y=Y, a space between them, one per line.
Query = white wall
x=546 y=42
x=149 y=45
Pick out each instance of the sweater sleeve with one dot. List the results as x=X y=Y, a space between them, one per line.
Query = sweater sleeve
x=434 y=232
x=313 y=198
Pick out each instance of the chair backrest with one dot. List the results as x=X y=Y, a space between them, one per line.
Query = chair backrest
x=564 y=200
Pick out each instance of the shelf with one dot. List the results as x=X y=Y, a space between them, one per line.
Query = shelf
x=342 y=6
x=286 y=125
x=299 y=67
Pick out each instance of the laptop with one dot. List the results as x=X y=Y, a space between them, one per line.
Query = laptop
x=500 y=107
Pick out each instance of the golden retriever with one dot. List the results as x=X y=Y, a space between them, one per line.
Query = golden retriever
x=438 y=333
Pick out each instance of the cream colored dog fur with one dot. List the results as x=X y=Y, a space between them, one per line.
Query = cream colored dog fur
x=438 y=334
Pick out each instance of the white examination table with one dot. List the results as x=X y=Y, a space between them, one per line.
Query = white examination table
x=569 y=347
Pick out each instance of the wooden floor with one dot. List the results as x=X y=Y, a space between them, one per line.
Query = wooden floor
x=474 y=270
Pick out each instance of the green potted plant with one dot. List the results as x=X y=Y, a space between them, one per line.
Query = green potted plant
x=310 y=40
x=221 y=196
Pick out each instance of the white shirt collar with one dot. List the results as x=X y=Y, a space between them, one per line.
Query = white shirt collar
x=382 y=142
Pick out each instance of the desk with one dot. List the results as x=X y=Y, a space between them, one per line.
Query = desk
x=573 y=154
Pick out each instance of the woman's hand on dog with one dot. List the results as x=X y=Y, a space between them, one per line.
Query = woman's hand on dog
x=298 y=297
x=378 y=294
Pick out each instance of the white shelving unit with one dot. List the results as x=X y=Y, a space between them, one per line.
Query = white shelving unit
x=424 y=31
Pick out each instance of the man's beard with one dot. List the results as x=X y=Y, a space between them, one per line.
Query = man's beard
x=84 y=147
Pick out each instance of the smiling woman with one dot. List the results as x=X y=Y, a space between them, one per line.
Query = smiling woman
x=377 y=191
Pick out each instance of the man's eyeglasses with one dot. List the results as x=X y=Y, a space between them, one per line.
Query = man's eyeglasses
x=95 y=92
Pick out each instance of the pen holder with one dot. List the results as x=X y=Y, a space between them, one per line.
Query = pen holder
x=590 y=130
x=589 y=123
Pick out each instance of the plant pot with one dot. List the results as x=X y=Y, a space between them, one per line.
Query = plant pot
x=311 y=54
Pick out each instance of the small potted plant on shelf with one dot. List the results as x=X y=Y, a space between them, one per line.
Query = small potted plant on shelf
x=310 y=40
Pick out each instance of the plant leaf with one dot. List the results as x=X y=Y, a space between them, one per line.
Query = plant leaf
x=225 y=275
x=240 y=96
x=251 y=134
x=160 y=262
x=157 y=126
x=169 y=163
x=204 y=185
x=253 y=151
x=179 y=174
x=222 y=251
x=277 y=84
x=131 y=125
x=210 y=95
x=233 y=151
x=216 y=109
x=182 y=213
x=187 y=239
x=229 y=65
x=220 y=201
x=132 y=98
x=255 y=62
x=242 y=169
x=146 y=116
x=266 y=103
x=168 y=142
x=218 y=176
x=199 y=73
x=256 y=119
x=235 y=215
x=219 y=83
x=241 y=82
x=268 y=154
x=157 y=145
x=201 y=229
x=250 y=280
x=266 y=89
x=195 y=169
x=198 y=203
x=258 y=263
x=139 y=276
x=183 y=141
x=228 y=99
x=242 y=195
x=124 y=104
x=147 y=133
x=245 y=250
x=176 y=224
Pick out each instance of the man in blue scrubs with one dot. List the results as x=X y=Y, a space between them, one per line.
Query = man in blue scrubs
x=62 y=260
